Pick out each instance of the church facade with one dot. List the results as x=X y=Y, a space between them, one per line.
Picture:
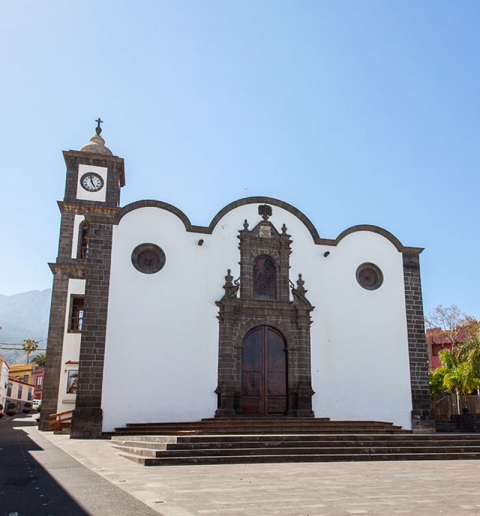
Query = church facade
x=154 y=319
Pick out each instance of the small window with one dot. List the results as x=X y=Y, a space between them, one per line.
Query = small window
x=25 y=378
x=84 y=240
x=39 y=381
x=264 y=278
x=72 y=381
x=9 y=390
x=76 y=318
x=20 y=392
x=30 y=396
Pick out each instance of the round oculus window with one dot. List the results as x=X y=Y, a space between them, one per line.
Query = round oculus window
x=369 y=276
x=148 y=258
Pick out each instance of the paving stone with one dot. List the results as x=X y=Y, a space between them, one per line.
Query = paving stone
x=425 y=488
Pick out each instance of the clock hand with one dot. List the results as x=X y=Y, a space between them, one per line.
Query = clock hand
x=91 y=181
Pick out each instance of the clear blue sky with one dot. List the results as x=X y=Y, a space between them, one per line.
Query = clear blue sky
x=356 y=112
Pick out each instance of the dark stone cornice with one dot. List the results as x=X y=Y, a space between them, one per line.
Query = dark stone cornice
x=100 y=218
x=87 y=207
x=274 y=202
x=98 y=160
x=91 y=157
x=73 y=269
x=374 y=229
x=163 y=206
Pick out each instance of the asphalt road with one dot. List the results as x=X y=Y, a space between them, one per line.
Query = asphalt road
x=39 y=479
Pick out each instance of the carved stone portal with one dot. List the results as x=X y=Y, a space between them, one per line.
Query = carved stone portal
x=259 y=306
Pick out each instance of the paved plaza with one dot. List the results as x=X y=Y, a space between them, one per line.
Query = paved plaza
x=328 y=489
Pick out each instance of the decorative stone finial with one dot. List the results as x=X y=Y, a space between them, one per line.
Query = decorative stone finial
x=228 y=279
x=98 y=129
x=97 y=143
x=284 y=230
x=300 y=283
x=265 y=211
x=245 y=225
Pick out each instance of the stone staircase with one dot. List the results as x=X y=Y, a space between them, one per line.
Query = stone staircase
x=283 y=440
x=270 y=425
x=247 y=449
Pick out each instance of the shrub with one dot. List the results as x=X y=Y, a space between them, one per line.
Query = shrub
x=1 y=407
x=11 y=406
x=39 y=408
x=27 y=405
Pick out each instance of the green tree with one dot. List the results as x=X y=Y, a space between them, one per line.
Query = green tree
x=39 y=359
x=435 y=380
x=29 y=346
x=469 y=351
x=458 y=377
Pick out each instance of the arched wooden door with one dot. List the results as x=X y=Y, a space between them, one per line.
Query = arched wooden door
x=264 y=372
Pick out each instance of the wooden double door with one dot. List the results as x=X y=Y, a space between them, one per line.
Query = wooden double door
x=264 y=372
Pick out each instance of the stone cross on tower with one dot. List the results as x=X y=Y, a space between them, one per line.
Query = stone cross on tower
x=98 y=129
x=265 y=211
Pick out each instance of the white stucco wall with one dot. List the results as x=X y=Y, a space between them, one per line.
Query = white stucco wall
x=162 y=333
x=71 y=349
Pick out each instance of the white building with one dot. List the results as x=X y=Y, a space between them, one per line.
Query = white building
x=19 y=393
x=254 y=314
x=4 y=369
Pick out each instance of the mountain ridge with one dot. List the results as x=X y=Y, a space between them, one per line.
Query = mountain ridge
x=23 y=316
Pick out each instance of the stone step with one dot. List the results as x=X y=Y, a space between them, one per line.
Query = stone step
x=259 y=425
x=265 y=438
x=259 y=421
x=374 y=450
x=333 y=457
x=153 y=430
x=294 y=444
x=152 y=450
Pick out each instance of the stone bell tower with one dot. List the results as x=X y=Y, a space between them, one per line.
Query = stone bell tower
x=76 y=337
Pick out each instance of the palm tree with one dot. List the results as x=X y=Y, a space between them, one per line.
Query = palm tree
x=39 y=360
x=29 y=346
x=470 y=352
x=461 y=378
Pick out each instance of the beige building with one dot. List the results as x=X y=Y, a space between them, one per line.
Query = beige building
x=23 y=372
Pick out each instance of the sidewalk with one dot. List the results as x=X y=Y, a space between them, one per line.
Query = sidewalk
x=38 y=479
x=427 y=488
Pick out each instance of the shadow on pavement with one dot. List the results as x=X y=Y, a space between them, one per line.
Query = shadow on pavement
x=26 y=488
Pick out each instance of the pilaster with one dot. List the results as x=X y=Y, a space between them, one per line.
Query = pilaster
x=88 y=415
x=53 y=362
x=422 y=418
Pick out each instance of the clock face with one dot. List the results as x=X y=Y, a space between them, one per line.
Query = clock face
x=91 y=182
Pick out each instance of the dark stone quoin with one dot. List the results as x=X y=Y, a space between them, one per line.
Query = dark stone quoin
x=422 y=418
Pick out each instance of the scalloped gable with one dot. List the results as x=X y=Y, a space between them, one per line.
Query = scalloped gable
x=266 y=200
